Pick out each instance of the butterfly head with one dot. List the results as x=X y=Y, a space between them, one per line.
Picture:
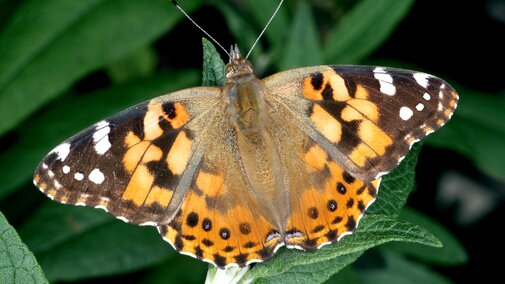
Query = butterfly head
x=238 y=67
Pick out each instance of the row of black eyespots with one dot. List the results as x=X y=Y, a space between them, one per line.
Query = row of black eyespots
x=192 y=220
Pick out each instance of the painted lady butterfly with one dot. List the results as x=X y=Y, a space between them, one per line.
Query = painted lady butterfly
x=230 y=174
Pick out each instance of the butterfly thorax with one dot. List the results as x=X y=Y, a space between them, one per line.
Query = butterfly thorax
x=244 y=95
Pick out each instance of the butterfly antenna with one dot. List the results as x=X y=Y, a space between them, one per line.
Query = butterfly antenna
x=174 y=2
x=264 y=29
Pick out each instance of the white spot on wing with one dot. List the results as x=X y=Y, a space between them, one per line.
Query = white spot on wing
x=96 y=176
x=101 y=137
x=44 y=166
x=78 y=176
x=419 y=106
x=422 y=79
x=385 y=81
x=123 y=219
x=440 y=106
x=426 y=96
x=62 y=151
x=102 y=207
x=405 y=113
x=57 y=184
x=50 y=174
x=66 y=169
x=149 y=223
x=440 y=95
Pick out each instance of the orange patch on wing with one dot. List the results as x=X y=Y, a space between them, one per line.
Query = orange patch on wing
x=152 y=129
x=315 y=158
x=131 y=139
x=329 y=79
x=152 y=153
x=361 y=93
x=361 y=154
x=181 y=116
x=159 y=195
x=340 y=92
x=366 y=108
x=139 y=185
x=448 y=112
x=309 y=92
x=209 y=183
x=374 y=137
x=133 y=156
x=179 y=154
x=329 y=126
x=51 y=192
x=63 y=199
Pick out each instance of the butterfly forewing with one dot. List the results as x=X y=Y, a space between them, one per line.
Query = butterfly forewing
x=367 y=118
x=131 y=164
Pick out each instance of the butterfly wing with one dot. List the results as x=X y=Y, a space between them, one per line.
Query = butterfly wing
x=366 y=118
x=342 y=128
x=136 y=165
x=224 y=219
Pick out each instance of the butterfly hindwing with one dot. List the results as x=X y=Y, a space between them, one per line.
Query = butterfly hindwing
x=130 y=164
x=366 y=117
x=223 y=219
x=324 y=201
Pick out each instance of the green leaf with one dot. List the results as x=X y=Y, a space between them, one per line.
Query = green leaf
x=213 y=65
x=397 y=270
x=261 y=11
x=53 y=224
x=88 y=245
x=141 y=63
x=476 y=131
x=302 y=47
x=452 y=253
x=364 y=29
x=78 y=112
x=396 y=186
x=48 y=45
x=312 y=273
x=178 y=269
x=244 y=34
x=372 y=231
x=17 y=263
x=347 y=275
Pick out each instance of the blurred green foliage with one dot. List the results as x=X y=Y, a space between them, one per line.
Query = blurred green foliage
x=46 y=47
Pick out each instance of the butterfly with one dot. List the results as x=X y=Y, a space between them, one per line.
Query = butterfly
x=230 y=174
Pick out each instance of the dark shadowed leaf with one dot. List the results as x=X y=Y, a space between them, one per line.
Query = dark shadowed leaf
x=48 y=45
x=397 y=270
x=364 y=29
x=302 y=48
x=476 y=131
x=452 y=253
x=180 y=269
x=88 y=244
x=396 y=186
